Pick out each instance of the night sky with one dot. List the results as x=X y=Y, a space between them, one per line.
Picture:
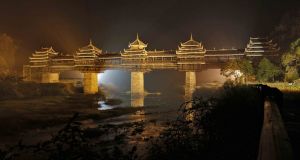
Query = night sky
x=69 y=24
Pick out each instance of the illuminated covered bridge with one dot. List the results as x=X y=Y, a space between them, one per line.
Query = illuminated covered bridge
x=46 y=64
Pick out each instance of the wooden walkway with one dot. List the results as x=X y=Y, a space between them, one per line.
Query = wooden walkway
x=274 y=141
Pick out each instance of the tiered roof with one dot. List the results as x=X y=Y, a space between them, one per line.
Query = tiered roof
x=137 y=44
x=190 y=47
x=137 y=48
x=42 y=57
x=260 y=46
x=88 y=52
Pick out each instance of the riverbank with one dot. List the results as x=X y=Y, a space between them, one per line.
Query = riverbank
x=21 y=118
x=226 y=125
x=285 y=87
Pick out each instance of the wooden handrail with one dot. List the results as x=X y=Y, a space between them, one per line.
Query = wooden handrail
x=274 y=141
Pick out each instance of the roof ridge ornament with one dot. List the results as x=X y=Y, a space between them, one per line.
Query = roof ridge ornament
x=191 y=38
x=137 y=36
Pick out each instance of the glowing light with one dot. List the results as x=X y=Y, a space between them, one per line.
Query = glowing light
x=115 y=79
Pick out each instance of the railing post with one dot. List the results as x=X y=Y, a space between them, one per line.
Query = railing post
x=274 y=141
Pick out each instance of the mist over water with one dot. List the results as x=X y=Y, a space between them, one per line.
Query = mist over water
x=162 y=87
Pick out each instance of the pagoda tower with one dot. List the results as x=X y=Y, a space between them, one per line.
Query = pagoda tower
x=136 y=51
x=39 y=66
x=261 y=47
x=191 y=52
x=86 y=56
x=42 y=58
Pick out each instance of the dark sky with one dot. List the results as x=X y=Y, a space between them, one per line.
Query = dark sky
x=69 y=24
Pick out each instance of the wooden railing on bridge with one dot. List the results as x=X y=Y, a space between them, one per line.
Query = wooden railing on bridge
x=274 y=140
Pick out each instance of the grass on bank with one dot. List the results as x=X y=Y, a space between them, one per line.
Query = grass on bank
x=286 y=87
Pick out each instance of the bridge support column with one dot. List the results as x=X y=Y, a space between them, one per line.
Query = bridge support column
x=50 y=77
x=90 y=83
x=137 y=89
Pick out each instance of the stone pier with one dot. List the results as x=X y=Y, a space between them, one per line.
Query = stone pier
x=90 y=83
x=50 y=77
x=137 y=89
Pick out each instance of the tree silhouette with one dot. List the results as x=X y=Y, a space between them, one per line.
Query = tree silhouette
x=290 y=60
x=267 y=71
x=238 y=69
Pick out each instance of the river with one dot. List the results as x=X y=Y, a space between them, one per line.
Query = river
x=164 y=91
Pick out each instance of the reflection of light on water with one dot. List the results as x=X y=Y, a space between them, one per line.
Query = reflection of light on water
x=209 y=85
x=146 y=93
x=210 y=75
x=103 y=106
x=116 y=84
x=140 y=112
x=153 y=93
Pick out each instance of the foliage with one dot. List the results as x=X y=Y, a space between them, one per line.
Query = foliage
x=290 y=61
x=231 y=68
x=223 y=128
x=8 y=49
x=4 y=69
x=288 y=29
x=267 y=71
x=8 y=85
x=12 y=86
x=246 y=67
x=10 y=77
x=295 y=47
x=291 y=74
x=285 y=86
